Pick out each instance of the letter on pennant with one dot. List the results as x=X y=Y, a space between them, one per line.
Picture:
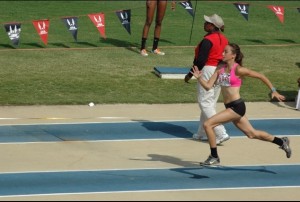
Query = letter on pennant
x=187 y=5
x=125 y=17
x=279 y=12
x=243 y=8
x=13 y=31
x=99 y=21
x=72 y=25
x=42 y=28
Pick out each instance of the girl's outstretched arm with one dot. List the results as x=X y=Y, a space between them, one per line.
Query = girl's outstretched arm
x=242 y=71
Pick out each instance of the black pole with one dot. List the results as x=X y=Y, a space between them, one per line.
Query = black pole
x=193 y=21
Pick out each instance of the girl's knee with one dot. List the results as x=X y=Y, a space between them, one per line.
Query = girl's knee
x=251 y=134
x=207 y=125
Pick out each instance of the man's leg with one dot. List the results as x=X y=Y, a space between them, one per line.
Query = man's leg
x=207 y=102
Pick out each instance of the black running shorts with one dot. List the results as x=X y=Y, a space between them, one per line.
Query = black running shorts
x=238 y=106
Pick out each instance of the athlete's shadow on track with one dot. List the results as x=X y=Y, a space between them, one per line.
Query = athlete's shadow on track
x=220 y=168
x=191 y=168
x=176 y=161
x=240 y=168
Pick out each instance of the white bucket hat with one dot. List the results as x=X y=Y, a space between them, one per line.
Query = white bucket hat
x=215 y=19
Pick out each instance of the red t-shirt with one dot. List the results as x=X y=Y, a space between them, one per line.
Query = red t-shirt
x=218 y=41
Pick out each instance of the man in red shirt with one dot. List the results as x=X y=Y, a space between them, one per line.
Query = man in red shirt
x=208 y=54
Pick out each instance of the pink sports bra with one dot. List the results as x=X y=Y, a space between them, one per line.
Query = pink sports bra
x=229 y=79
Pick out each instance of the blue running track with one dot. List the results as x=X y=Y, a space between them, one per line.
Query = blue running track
x=100 y=181
x=149 y=180
x=131 y=130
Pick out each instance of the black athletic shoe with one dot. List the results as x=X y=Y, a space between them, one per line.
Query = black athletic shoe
x=210 y=161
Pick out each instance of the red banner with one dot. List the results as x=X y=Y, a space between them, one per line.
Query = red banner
x=99 y=21
x=279 y=12
x=42 y=27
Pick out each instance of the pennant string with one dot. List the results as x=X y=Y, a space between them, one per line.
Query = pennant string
x=139 y=7
x=125 y=19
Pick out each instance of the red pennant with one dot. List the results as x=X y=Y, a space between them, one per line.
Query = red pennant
x=99 y=21
x=279 y=12
x=42 y=27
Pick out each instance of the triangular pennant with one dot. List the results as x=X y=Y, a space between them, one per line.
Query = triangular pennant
x=42 y=27
x=99 y=21
x=187 y=5
x=279 y=11
x=13 y=31
x=72 y=25
x=125 y=17
x=243 y=8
